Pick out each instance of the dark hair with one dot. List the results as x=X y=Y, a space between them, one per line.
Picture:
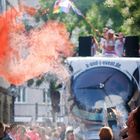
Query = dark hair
x=106 y=133
x=136 y=118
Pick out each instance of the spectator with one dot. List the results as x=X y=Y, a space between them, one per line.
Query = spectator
x=22 y=133
x=69 y=135
x=103 y=39
x=33 y=134
x=13 y=131
x=119 y=45
x=106 y=133
x=133 y=125
x=108 y=44
x=62 y=133
x=7 y=128
x=55 y=135
x=94 y=46
x=42 y=133
x=3 y=134
x=123 y=133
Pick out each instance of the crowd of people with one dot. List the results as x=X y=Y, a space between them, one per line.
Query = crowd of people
x=63 y=132
x=131 y=132
x=35 y=132
x=110 y=44
x=31 y=132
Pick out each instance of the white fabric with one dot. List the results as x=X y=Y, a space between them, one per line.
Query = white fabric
x=119 y=47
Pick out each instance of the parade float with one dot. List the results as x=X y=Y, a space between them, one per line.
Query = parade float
x=103 y=91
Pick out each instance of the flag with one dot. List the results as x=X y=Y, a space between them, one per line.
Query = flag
x=61 y=6
x=75 y=9
x=64 y=6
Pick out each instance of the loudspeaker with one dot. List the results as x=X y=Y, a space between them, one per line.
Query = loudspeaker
x=131 y=46
x=85 y=43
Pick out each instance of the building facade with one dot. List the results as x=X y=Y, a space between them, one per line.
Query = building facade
x=6 y=103
x=34 y=105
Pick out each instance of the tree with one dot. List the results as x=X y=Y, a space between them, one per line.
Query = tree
x=124 y=15
x=131 y=16
x=54 y=87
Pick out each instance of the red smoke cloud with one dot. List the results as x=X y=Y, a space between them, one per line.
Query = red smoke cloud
x=26 y=55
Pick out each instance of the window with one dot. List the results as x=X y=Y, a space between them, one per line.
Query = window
x=44 y=96
x=21 y=98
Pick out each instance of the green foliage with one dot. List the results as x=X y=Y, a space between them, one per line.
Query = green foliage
x=39 y=81
x=122 y=15
x=47 y=3
x=54 y=87
x=30 y=82
x=131 y=14
x=71 y=21
x=84 y=5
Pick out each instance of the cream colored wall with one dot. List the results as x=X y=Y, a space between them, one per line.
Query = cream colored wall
x=28 y=109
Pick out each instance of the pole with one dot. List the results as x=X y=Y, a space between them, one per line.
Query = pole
x=36 y=111
x=91 y=26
